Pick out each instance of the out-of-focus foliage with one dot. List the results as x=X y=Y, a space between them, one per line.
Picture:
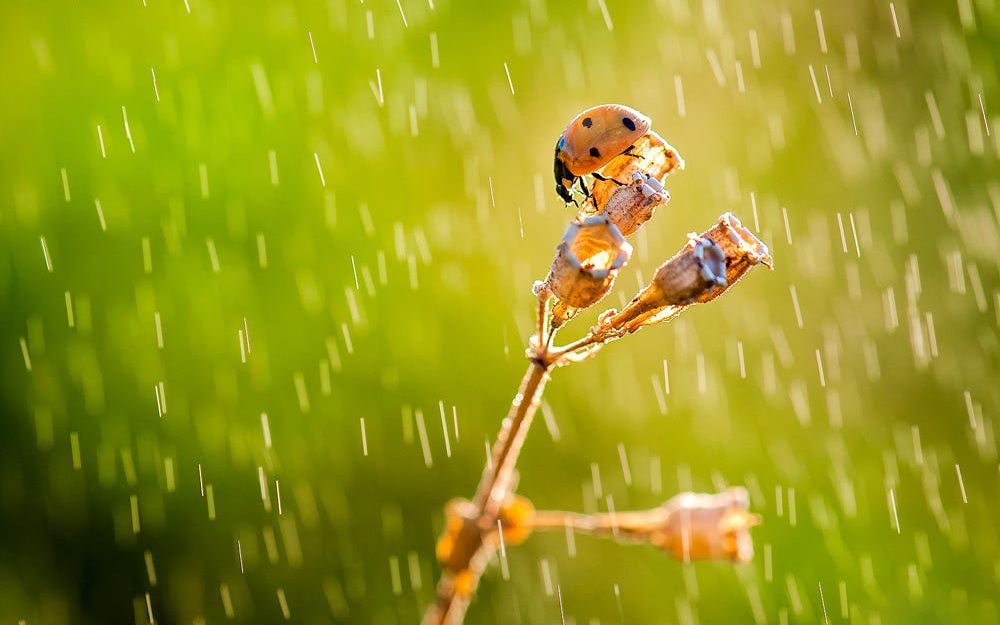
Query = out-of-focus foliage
x=373 y=217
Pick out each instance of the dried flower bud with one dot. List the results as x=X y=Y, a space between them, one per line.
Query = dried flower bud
x=460 y=518
x=587 y=263
x=561 y=313
x=651 y=156
x=700 y=526
x=689 y=526
x=697 y=269
x=516 y=514
x=708 y=266
x=466 y=544
x=634 y=204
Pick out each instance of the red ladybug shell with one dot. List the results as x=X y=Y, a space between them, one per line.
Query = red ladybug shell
x=599 y=134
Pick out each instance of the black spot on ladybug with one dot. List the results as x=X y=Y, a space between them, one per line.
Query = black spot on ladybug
x=628 y=123
x=587 y=122
x=595 y=153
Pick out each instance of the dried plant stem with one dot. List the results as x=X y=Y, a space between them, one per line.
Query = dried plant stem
x=601 y=524
x=543 y=313
x=494 y=486
x=561 y=519
x=497 y=481
x=607 y=331
x=449 y=609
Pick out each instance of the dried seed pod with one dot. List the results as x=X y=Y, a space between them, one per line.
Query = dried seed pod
x=587 y=262
x=561 y=313
x=631 y=206
x=708 y=266
x=742 y=248
x=688 y=526
x=700 y=526
x=515 y=516
x=460 y=519
x=651 y=156
x=697 y=269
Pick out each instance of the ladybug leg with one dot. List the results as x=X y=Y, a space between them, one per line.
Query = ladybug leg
x=564 y=193
x=629 y=152
x=606 y=179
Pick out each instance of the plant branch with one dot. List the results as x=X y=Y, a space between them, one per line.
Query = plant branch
x=471 y=549
x=496 y=481
x=543 y=315
x=688 y=526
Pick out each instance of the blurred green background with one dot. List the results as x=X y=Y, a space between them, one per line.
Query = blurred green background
x=372 y=215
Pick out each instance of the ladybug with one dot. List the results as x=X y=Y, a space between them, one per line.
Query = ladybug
x=591 y=140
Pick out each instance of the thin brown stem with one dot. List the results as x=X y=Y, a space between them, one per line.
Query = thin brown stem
x=548 y=339
x=600 y=524
x=454 y=593
x=496 y=480
x=580 y=343
x=543 y=315
x=614 y=328
x=558 y=520
x=450 y=607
